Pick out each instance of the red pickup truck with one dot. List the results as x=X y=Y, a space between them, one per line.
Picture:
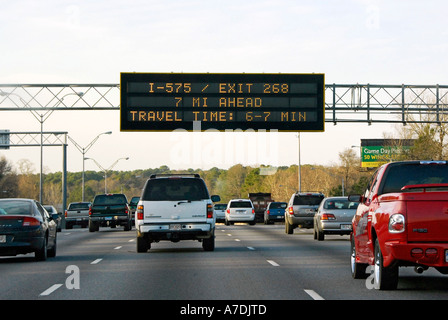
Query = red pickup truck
x=402 y=220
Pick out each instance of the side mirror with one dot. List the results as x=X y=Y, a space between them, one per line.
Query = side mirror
x=355 y=198
x=216 y=198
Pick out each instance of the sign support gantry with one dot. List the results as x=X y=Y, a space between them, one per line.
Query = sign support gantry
x=352 y=103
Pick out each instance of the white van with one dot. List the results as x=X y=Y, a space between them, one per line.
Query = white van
x=175 y=207
x=240 y=210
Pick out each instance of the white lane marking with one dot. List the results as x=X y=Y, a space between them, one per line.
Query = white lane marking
x=96 y=261
x=229 y=234
x=132 y=240
x=272 y=262
x=51 y=290
x=237 y=240
x=251 y=248
x=314 y=295
x=119 y=247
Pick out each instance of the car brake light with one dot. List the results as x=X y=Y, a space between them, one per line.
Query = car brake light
x=209 y=211
x=90 y=211
x=228 y=210
x=291 y=210
x=30 y=222
x=253 y=211
x=327 y=216
x=66 y=213
x=396 y=223
x=267 y=212
x=140 y=212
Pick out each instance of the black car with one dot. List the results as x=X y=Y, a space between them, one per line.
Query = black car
x=26 y=227
x=110 y=210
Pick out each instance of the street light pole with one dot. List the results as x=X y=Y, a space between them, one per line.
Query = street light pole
x=83 y=151
x=105 y=170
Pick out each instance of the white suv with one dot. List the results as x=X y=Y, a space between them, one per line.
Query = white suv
x=175 y=207
x=240 y=210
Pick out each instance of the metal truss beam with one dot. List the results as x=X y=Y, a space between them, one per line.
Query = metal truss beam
x=368 y=103
x=32 y=139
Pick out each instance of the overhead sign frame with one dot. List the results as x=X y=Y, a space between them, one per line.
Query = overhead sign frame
x=221 y=101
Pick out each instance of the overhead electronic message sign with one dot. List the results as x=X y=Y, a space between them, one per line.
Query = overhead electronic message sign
x=169 y=101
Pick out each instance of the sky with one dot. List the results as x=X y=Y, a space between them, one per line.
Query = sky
x=350 y=41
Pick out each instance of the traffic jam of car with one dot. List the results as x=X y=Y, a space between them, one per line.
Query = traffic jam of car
x=400 y=220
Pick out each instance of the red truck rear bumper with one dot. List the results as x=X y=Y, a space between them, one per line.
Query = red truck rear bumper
x=428 y=254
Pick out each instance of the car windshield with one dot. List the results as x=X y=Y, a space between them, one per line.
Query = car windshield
x=340 y=204
x=310 y=200
x=109 y=199
x=12 y=207
x=278 y=205
x=240 y=204
x=174 y=189
x=402 y=175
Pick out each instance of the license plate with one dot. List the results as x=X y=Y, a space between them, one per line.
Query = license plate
x=346 y=227
x=175 y=227
x=2 y=238
x=240 y=211
x=280 y=217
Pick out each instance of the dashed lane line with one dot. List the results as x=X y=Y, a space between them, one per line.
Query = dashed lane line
x=313 y=294
x=51 y=290
x=272 y=262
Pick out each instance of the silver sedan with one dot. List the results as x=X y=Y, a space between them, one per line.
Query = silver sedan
x=334 y=216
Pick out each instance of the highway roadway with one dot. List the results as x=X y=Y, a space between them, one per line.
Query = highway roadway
x=252 y=263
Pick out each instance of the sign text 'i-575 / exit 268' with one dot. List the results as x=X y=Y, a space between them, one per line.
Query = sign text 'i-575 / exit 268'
x=169 y=101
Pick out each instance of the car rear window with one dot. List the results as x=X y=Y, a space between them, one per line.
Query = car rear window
x=12 y=207
x=240 y=204
x=340 y=204
x=109 y=199
x=278 y=205
x=173 y=189
x=402 y=175
x=310 y=200
x=79 y=206
x=220 y=206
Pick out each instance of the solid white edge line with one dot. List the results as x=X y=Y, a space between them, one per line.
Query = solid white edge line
x=51 y=290
x=314 y=295
x=117 y=248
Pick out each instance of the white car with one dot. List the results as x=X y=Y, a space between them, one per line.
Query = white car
x=174 y=208
x=240 y=210
x=220 y=211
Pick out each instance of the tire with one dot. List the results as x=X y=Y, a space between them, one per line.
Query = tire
x=209 y=244
x=358 y=270
x=128 y=226
x=288 y=228
x=320 y=236
x=52 y=252
x=92 y=226
x=385 y=278
x=41 y=253
x=142 y=244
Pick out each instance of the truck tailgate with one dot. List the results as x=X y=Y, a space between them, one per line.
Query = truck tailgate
x=175 y=211
x=427 y=216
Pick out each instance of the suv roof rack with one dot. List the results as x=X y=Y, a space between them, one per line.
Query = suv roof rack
x=194 y=175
